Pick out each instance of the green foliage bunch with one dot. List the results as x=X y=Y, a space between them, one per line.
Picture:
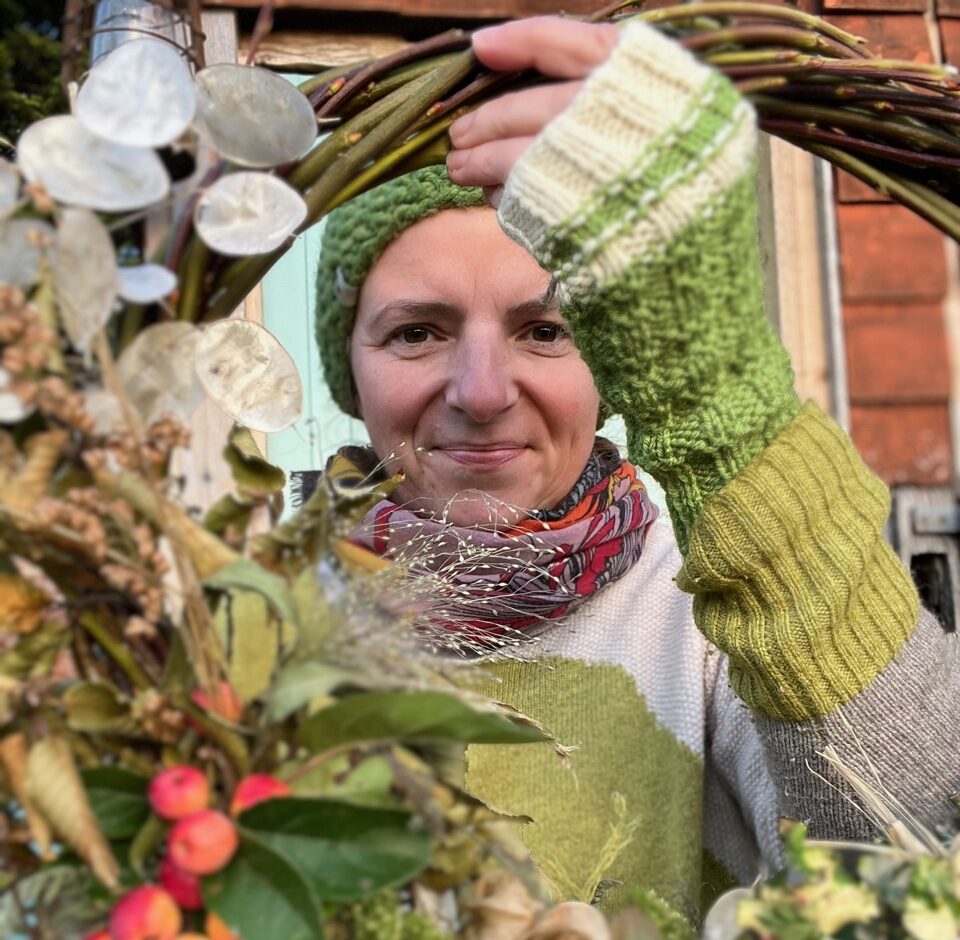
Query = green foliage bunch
x=29 y=63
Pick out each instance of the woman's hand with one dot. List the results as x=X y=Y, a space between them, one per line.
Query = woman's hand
x=487 y=142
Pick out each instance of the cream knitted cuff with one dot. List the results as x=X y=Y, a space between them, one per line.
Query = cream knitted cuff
x=589 y=155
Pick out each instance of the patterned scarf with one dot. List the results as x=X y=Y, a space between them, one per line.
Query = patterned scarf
x=500 y=583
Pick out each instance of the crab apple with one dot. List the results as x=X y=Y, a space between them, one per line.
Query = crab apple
x=192 y=936
x=183 y=887
x=178 y=791
x=146 y=913
x=223 y=701
x=256 y=789
x=217 y=929
x=202 y=843
x=98 y=935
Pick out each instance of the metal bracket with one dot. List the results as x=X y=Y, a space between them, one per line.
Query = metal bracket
x=936 y=520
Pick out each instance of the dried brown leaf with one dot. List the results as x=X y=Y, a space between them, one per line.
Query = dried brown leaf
x=21 y=604
x=13 y=757
x=55 y=787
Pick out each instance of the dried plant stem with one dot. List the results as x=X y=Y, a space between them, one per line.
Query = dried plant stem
x=116 y=650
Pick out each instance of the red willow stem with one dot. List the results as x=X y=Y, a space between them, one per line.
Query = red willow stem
x=799 y=131
x=450 y=41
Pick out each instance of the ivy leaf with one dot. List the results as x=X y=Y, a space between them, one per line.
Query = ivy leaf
x=411 y=717
x=344 y=851
x=262 y=894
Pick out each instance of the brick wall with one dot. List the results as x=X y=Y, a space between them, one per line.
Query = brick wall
x=894 y=277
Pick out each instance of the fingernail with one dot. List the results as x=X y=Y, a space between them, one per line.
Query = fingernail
x=481 y=36
x=455 y=160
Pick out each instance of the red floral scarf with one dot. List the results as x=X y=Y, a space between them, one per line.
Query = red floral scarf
x=499 y=584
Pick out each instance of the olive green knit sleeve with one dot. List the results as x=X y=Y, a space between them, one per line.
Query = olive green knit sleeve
x=640 y=198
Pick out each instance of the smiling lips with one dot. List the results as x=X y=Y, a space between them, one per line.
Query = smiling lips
x=482 y=455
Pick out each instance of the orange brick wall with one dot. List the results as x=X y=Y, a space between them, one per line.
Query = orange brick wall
x=894 y=279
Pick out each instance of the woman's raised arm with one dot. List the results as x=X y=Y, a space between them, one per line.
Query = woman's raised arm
x=635 y=186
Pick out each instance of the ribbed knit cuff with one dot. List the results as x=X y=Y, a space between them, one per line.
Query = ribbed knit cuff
x=792 y=578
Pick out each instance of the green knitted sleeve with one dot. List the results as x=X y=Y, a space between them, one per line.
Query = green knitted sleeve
x=640 y=198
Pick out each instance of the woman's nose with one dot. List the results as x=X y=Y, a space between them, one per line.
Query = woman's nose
x=482 y=384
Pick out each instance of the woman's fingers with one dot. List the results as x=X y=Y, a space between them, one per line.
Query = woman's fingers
x=486 y=164
x=557 y=47
x=490 y=140
x=519 y=114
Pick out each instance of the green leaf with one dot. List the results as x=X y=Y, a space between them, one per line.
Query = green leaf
x=249 y=576
x=344 y=851
x=251 y=471
x=369 y=783
x=297 y=685
x=411 y=717
x=253 y=635
x=118 y=799
x=228 y=511
x=262 y=894
x=96 y=708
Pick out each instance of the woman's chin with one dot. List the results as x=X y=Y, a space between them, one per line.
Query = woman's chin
x=470 y=508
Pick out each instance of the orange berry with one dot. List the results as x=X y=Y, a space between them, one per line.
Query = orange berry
x=146 y=913
x=217 y=929
x=202 y=843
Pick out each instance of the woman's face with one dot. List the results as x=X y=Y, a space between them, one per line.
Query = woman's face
x=466 y=376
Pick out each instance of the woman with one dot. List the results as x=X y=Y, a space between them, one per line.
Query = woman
x=481 y=367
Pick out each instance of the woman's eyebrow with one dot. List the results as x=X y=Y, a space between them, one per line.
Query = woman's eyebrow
x=417 y=308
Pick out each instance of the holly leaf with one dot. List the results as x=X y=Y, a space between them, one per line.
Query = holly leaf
x=412 y=717
x=344 y=851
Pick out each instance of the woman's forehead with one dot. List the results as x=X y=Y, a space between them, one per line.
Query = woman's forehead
x=449 y=256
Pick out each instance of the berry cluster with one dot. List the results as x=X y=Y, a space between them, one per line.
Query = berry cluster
x=201 y=841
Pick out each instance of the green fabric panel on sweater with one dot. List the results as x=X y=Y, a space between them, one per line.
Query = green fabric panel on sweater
x=715 y=880
x=680 y=347
x=670 y=160
x=621 y=749
x=792 y=578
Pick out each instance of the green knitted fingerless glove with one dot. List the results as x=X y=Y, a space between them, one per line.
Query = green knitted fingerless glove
x=642 y=202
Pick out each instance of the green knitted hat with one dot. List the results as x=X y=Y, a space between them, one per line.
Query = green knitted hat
x=355 y=235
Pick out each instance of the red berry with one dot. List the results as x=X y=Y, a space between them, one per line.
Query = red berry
x=254 y=789
x=146 y=913
x=183 y=887
x=178 y=792
x=202 y=843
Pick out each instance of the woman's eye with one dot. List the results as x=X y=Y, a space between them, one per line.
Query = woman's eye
x=547 y=332
x=413 y=335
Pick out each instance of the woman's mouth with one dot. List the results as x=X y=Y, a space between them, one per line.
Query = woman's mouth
x=481 y=456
